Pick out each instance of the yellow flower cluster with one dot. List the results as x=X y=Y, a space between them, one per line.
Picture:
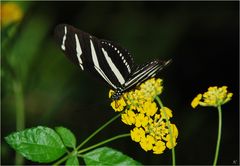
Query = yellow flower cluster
x=213 y=97
x=10 y=12
x=152 y=128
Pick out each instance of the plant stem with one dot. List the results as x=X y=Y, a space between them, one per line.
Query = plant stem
x=219 y=134
x=63 y=159
x=98 y=130
x=104 y=142
x=20 y=115
x=91 y=147
x=87 y=139
x=170 y=131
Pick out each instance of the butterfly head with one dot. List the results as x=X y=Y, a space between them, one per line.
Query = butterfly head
x=117 y=94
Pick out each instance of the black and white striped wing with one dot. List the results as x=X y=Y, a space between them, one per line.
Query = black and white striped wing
x=102 y=58
x=145 y=72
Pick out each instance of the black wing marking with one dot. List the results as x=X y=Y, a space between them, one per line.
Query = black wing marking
x=120 y=56
x=101 y=58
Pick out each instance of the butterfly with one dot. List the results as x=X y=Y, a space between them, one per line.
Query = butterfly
x=105 y=59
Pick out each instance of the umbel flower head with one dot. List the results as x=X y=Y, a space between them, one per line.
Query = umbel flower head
x=215 y=96
x=151 y=125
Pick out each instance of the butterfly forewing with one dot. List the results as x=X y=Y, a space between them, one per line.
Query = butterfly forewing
x=101 y=58
x=66 y=39
x=120 y=57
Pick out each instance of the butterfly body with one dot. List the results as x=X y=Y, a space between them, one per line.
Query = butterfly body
x=104 y=59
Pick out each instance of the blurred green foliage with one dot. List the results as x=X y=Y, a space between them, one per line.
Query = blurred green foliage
x=200 y=37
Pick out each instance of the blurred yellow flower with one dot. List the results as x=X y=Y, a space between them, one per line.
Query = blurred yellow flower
x=215 y=96
x=10 y=13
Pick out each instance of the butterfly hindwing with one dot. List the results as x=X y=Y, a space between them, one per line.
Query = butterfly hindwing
x=145 y=72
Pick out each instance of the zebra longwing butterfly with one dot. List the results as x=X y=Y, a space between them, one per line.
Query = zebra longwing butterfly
x=104 y=59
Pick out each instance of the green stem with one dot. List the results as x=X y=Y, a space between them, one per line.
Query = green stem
x=104 y=142
x=170 y=131
x=64 y=158
x=98 y=130
x=20 y=115
x=87 y=139
x=219 y=134
x=91 y=147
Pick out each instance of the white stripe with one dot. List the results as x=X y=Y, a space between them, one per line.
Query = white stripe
x=79 y=51
x=105 y=77
x=97 y=67
x=153 y=73
x=141 y=75
x=64 y=38
x=114 y=68
x=94 y=55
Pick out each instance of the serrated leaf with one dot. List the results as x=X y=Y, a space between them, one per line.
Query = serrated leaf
x=108 y=156
x=67 y=136
x=39 y=144
x=72 y=161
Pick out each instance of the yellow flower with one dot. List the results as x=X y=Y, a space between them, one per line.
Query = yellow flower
x=135 y=99
x=151 y=127
x=129 y=117
x=174 y=130
x=141 y=120
x=147 y=143
x=10 y=13
x=159 y=147
x=170 y=142
x=117 y=105
x=149 y=108
x=215 y=96
x=137 y=134
x=151 y=88
x=171 y=139
x=166 y=112
x=196 y=100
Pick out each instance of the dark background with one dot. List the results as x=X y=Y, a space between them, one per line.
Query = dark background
x=202 y=39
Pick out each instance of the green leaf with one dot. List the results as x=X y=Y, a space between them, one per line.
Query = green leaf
x=73 y=160
x=108 y=156
x=67 y=136
x=39 y=144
